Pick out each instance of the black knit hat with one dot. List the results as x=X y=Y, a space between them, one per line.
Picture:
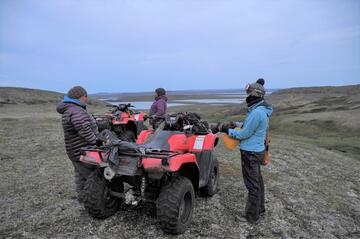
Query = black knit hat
x=76 y=92
x=160 y=91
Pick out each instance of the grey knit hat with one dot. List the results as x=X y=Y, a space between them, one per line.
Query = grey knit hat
x=76 y=92
x=256 y=89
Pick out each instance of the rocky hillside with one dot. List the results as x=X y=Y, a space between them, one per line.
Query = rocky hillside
x=312 y=183
x=325 y=116
x=296 y=97
x=15 y=95
x=310 y=192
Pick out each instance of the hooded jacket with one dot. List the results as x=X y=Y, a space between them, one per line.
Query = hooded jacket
x=253 y=132
x=79 y=126
x=158 y=108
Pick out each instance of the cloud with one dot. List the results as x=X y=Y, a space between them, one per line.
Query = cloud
x=338 y=34
x=177 y=42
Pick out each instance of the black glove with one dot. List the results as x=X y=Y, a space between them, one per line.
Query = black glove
x=99 y=142
x=215 y=128
x=145 y=117
x=222 y=127
x=226 y=126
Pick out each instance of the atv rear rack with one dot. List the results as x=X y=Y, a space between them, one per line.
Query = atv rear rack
x=149 y=153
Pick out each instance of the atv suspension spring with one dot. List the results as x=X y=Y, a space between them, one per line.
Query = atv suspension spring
x=143 y=185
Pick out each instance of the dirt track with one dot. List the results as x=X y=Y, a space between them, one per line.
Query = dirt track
x=310 y=192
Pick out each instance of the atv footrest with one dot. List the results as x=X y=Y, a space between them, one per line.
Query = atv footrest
x=117 y=194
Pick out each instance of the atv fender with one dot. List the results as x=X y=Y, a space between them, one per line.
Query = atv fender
x=139 y=116
x=199 y=143
x=191 y=171
x=172 y=165
x=178 y=142
x=123 y=118
x=93 y=157
x=143 y=136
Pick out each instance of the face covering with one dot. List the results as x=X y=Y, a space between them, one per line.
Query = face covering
x=251 y=100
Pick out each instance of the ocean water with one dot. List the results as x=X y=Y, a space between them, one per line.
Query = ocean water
x=215 y=101
x=226 y=98
x=142 y=105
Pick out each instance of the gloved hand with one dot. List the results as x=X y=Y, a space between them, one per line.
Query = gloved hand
x=215 y=128
x=232 y=125
x=99 y=142
x=150 y=117
x=145 y=117
x=226 y=126
x=222 y=127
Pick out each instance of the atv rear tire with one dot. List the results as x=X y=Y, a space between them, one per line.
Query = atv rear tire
x=127 y=135
x=97 y=199
x=213 y=183
x=141 y=127
x=103 y=124
x=175 y=205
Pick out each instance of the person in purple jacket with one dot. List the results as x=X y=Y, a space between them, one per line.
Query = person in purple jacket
x=158 y=108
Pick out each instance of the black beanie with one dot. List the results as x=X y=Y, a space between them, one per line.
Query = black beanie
x=261 y=81
x=160 y=91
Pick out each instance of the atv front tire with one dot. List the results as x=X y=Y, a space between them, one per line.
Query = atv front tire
x=103 y=124
x=97 y=199
x=213 y=183
x=175 y=205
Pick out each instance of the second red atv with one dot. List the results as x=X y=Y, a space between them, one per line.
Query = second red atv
x=123 y=121
x=177 y=163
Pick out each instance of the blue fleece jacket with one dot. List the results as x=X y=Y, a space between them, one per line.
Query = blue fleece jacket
x=68 y=99
x=253 y=132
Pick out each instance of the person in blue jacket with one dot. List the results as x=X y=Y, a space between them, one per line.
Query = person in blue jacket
x=252 y=148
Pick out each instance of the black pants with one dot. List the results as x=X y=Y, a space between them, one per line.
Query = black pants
x=155 y=123
x=82 y=171
x=254 y=183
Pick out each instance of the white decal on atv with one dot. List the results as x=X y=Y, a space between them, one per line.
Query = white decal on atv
x=137 y=117
x=199 y=142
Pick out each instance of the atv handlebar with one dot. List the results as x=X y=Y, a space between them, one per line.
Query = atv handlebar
x=122 y=107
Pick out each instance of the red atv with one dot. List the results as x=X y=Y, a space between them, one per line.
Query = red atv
x=167 y=171
x=125 y=122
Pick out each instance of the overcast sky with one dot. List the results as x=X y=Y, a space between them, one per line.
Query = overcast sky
x=122 y=46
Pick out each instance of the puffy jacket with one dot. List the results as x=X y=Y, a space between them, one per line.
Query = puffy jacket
x=158 y=108
x=253 y=132
x=79 y=126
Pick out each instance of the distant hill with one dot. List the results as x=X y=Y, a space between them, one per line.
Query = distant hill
x=325 y=116
x=173 y=95
x=299 y=96
x=16 y=95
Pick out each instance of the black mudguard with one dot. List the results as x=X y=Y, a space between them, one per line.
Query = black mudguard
x=204 y=160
